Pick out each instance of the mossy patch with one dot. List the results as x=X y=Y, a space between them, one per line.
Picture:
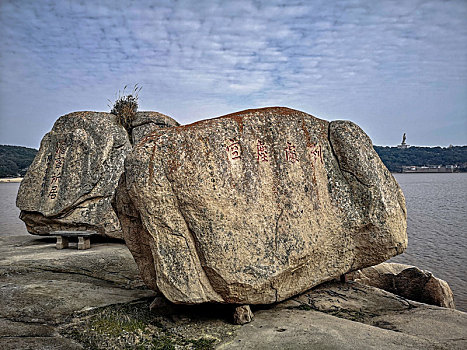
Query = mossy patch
x=304 y=307
x=113 y=326
x=202 y=343
x=128 y=326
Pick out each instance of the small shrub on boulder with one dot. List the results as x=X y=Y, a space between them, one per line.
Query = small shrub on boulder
x=126 y=106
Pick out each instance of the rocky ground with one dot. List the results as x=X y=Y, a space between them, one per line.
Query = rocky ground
x=94 y=299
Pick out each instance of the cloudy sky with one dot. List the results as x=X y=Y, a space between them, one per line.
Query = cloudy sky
x=391 y=66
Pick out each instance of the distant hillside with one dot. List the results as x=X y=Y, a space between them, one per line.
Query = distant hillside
x=394 y=158
x=14 y=160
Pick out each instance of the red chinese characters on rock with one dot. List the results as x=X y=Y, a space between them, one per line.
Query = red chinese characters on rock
x=262 y=152
x=316 y=153
x=233 y=149
x=291 y=153
x=234 y=152
x=59 y=158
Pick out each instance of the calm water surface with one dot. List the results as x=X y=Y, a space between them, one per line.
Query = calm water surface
x=437 y=225
x=10 y=224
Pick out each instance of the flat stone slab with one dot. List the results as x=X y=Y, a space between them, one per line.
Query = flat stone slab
x=44 y=291
x=39 y=284
x=73 y=233
x=438 y=327
x=33 y=343
x=304 y=330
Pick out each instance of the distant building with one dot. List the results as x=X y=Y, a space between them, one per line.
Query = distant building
x=430 y=169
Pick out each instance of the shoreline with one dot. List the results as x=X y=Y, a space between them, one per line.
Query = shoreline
x=11 y=179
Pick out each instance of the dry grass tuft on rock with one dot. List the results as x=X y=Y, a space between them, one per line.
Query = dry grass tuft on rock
x=126 y=106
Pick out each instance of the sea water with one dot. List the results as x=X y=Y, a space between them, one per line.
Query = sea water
x=10 y=224
x=437 y=225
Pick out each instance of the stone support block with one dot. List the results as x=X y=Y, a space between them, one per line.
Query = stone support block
x=62 y=242
x=84 y=243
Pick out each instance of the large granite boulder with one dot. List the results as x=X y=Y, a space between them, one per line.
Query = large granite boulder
x=257 y=206
x=71 y=182
x=407 y=281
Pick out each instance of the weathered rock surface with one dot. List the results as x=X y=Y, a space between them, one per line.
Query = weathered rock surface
x=148 y=121
x=41 y=287
x=70 y=299
x=72 y=180
x=352 y=316
x=407 y=281
x=243 y=314
x=257 y=206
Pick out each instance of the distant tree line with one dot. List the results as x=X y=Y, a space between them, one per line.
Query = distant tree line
x=395 y=158
x=14 y=160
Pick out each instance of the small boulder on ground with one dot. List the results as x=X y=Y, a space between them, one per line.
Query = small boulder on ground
x=407 y=281
x=257 y=206
x=243 y=314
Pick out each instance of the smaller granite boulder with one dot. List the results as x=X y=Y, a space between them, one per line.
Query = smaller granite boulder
x=407 y=281
x=148 y=121
x=72 y=180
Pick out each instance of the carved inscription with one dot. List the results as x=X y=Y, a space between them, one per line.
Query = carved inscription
x=262 y=151
x=57 y=166
x=233 y=149
x=53 y=192
x=290 y=153
x=316 y=153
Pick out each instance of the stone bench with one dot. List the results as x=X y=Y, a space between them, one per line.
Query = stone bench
x=84 y=238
